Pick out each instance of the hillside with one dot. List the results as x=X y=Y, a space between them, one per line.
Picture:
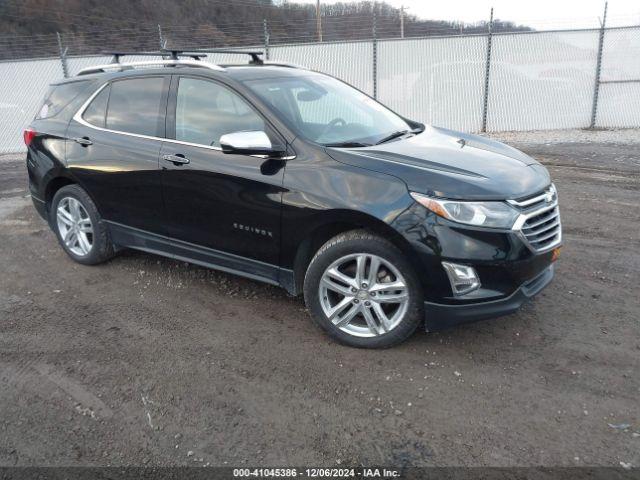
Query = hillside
x=29 y=27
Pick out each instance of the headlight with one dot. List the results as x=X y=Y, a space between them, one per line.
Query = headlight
x=480 y=214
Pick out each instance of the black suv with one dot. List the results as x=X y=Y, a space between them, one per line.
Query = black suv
x=294 y=178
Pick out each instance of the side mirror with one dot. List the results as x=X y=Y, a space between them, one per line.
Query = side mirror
x=248 y=143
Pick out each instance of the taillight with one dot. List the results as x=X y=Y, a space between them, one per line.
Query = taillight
x=28 y=136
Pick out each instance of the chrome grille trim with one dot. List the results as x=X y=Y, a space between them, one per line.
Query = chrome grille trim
x=531 y=201
x=540 y=239
x=549 y=215
x=532 y=231
x=539 y=226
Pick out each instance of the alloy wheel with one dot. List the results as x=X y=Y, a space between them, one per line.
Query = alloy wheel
x=74 y=225
x=363 y=295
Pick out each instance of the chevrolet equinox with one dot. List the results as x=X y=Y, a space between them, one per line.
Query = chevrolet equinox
x=293 y=177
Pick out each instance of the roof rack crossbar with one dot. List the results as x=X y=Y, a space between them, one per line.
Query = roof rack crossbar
x=254 y=54
x=194 y=53
x=172 y=54
x=172 y=57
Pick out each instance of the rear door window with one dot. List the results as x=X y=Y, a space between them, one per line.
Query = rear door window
x=96 y=112
x=137 y=106
x=59 y=96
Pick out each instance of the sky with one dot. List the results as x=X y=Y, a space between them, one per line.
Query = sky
x=539 y=14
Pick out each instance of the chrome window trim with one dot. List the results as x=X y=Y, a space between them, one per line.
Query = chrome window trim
x=78 y=118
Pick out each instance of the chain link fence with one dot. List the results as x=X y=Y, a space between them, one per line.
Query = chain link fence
x=542 y=81
x=525 y=81
x=438 y=81
x=24 y=84
x=619 y=98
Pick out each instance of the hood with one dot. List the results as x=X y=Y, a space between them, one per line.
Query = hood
x=450 y=164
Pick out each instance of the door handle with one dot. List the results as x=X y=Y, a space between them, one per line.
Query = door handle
x=84 y=141
x=178 y=159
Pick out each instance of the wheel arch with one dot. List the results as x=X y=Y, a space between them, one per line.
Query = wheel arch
x=55 y=184
x=61 y=179
x=333 y=223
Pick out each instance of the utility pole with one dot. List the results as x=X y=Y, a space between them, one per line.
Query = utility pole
x=318 y=21
x=402 y=21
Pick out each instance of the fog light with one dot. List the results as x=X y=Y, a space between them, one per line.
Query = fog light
x=463 y=278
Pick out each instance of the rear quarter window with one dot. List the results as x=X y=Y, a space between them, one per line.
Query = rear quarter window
x=59 y=96
x=97 y=110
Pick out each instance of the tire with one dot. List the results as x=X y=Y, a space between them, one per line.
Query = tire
x=325 y=290
x=100 y=246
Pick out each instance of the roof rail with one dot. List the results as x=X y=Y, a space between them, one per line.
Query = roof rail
x=284 y=64
x=148 y=63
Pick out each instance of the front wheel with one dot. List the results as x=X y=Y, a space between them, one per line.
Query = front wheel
x=362 y=291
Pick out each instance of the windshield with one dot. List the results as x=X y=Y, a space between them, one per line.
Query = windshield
x=328 y=111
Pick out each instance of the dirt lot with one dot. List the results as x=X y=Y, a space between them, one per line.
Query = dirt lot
x=148 y=361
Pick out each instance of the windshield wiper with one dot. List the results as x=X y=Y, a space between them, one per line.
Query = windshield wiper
x=347 y=144
x=390 y=137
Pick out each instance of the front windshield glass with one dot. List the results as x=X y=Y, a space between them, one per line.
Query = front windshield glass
x=328 y=111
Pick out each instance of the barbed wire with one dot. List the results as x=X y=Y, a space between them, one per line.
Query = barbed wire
x=335 y=28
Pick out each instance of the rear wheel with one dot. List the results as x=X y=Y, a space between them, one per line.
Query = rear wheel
x=78 y=226
x=362 y=291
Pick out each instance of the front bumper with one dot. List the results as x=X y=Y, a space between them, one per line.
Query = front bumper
x=441 y=316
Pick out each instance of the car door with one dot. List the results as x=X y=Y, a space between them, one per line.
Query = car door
x=113 y=147
x=227 y=203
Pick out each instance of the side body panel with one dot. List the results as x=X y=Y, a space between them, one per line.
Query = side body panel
x=120 y=171
x=46 y=156
x=121 y=174
x=221 y=201
x=320 y=191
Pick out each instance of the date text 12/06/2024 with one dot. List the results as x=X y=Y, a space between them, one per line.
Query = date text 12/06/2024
x=315 y=472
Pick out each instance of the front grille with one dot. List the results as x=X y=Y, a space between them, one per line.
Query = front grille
x=540 y=220
x=543 y=229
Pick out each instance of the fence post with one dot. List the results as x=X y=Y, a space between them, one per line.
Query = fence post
x=63 y=56
x=487 y=71
x=375 y=50
x=266 y=38
x=596 y=87
x=162 y=41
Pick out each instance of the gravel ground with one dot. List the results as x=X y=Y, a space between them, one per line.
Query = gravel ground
x=148 y=361
x=547 y=137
